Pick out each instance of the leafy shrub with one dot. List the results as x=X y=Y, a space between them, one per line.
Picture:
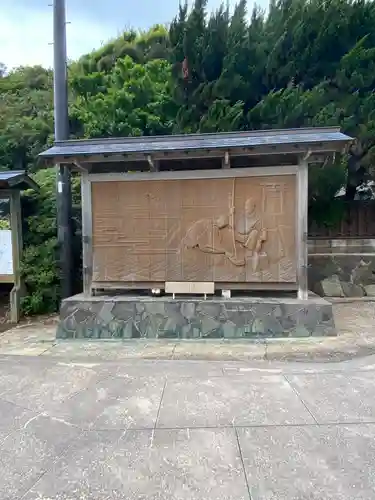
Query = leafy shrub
x=4 y=223
x=39 y=266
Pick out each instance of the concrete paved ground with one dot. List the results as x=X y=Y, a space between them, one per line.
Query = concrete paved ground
x=108 y=421
x=177 y=429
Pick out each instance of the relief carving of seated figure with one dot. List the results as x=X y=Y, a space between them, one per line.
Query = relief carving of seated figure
x=248 y=230
x=219 y=237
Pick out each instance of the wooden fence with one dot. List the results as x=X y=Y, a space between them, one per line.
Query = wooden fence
x=358 y=221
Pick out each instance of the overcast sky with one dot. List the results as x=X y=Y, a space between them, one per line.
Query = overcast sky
x=26 y=25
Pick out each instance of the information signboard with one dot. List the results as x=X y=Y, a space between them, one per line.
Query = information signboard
x=6 y=256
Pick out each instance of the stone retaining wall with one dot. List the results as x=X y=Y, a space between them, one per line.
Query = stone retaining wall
x=131 y=317
x=342 y=268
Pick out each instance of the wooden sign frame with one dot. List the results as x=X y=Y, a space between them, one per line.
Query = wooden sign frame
x=300 y=171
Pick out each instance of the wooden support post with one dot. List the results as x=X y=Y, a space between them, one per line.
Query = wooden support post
x=302 y=229
x=86 y=233
x=154 y=164
x=16 y=229
x=225 y=162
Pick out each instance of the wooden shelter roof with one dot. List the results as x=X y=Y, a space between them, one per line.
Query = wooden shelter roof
x=318 y=141
x=17 y=180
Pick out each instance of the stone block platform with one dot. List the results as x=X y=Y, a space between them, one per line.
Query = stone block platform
x=135 y=317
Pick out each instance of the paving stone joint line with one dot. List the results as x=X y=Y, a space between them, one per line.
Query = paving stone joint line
x=243 y=463
x=296 y=392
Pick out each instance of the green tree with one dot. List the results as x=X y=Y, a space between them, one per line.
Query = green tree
x=134 y=100
x=305 y=63
x=26 y=116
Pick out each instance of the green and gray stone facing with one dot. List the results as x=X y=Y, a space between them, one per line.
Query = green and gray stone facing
x=134 y=317
x=342 y=268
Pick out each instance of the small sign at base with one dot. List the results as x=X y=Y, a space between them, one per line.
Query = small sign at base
x=190 y=287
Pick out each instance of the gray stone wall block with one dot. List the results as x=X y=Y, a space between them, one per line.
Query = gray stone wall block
x=344 y=275
x=352 y=290
x=193 y=319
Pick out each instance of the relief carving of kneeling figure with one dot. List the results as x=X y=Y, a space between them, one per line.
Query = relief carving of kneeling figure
x=221 y=235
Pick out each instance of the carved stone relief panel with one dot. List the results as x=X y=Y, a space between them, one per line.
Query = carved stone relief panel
x=224 y=230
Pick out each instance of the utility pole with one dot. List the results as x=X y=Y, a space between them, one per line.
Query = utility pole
x=64 y=191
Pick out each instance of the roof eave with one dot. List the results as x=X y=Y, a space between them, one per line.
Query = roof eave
x=262 y=150
x=23 y=182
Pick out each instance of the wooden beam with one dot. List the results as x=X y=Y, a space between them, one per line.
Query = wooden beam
x=195 y=174
x=86 y=232
x=226 y=160
x=302 y=229
x=79 y=166
x=151 y=163
x=319 y=150
x=247 y=286
x=6 y=278
x=16 y=229
x=154 y=164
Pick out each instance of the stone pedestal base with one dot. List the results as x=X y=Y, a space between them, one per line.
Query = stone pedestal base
x=132 y=317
